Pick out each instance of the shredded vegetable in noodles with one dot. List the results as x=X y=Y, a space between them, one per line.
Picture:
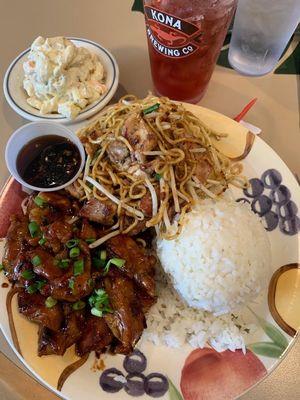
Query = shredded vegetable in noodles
x=154 y=160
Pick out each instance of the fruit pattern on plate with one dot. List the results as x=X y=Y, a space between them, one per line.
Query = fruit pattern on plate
x=271 y=200
x=135 y=383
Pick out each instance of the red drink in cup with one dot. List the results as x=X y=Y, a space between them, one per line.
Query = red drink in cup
x=184 y=40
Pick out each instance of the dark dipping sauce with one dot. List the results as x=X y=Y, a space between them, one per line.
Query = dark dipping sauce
x=48 y=161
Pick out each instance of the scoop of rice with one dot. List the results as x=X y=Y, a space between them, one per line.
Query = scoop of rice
x=221 y=259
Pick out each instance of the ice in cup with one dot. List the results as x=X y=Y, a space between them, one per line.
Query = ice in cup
x=262 y=29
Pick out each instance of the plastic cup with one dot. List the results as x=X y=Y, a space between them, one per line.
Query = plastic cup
x=261 y=30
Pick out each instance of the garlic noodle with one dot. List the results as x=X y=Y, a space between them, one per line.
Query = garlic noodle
x=153 y=150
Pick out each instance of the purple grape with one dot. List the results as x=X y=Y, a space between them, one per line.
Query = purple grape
x=261 y=205
x=135 y=362
x=135 y=385
x=270 y=221
x=280 y=196
x=108 y=383
x=288 y=210
x=271 y=178
x=243 y=200
x=255 y=189
x=289 y=226
x=156 y=385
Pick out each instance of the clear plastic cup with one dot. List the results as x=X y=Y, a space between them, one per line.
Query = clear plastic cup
x=261 y=30
x=184 y=40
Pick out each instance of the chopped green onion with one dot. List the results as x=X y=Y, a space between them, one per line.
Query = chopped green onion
x=79 y=305
x=42 y=241
x=36 y=261
x=40 y=284
x=118 y=262
x=96 y=312
x=103 y=255
x=50 y=302
x=72 y=243
x=1 y=267
x=158 y=176
x=90 y=240
x=71 y=284
x=151 y=109
x=39 y=201
x=64 y=263
x=34 y=229
x=97 y=263
x=28 y=274
x=99 y=303
x=78 y=267
x=102 y=293
x=96 y=154
x=32 y=288
x=74 y=252
x=99 y=296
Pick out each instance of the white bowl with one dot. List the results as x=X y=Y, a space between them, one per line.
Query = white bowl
x=16 y=95
x=31 y=131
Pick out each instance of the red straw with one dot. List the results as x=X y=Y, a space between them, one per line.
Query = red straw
x=245 y=110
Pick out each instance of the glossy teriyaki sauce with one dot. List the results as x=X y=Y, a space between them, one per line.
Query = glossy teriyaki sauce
x=48 y=161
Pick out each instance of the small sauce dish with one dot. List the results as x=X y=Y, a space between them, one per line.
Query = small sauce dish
x=44 y=156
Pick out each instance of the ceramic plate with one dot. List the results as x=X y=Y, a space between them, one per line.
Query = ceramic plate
x=187 y=373
x=16 y=96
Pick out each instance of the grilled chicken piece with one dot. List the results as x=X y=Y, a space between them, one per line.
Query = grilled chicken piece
x=40 y=215
x=203 y=168
x=46 y=268
x=15 y=239
x=118 y=153
x=96 y=336
x=56 y=200
x=75 y=190
x=145 y=301
x=54 y=205
x=89 y=147
x=72 y=288
x=33 y=307
x=140 y=137
x=102 y=212
x=57 y=233
x=87 y=231
x=127 y=321
x=51 y=342
x=21 y=264
x=138 y=265
x=146 y=202
x=61 y=288
x=138 y=228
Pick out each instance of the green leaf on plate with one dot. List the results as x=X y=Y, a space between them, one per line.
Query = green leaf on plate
x=274 y=333
x=174 y=393
x=292 y=64
x=138 y=6
x=267 y=349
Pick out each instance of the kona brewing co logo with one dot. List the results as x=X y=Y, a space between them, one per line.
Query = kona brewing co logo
x=171 y=36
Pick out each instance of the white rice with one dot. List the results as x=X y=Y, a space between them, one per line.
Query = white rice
x=221 y=259
x=172 y=323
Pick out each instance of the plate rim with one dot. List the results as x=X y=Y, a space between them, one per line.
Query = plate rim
x=269 y=371
x=85 y=113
